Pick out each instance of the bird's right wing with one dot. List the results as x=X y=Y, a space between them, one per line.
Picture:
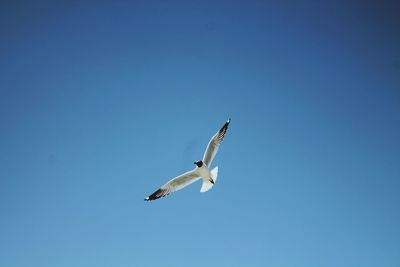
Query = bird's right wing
x=214 y=143
x=175 y=184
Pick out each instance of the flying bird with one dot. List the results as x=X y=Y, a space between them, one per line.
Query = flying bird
x=201 y=171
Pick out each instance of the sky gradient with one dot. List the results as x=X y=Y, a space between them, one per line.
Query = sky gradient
x=101 y=102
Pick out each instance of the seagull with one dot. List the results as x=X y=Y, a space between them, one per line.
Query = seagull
x=201 y=171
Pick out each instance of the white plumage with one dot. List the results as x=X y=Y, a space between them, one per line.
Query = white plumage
x=201 y=171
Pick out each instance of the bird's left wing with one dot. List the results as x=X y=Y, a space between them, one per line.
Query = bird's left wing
x=175 y=184
x=214 y=143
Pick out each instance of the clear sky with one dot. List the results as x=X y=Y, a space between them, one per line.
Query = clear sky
x=101 y=102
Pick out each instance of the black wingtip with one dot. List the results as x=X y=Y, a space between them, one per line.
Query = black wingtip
x=225 y=127
x=150 y=198
x=156 y=195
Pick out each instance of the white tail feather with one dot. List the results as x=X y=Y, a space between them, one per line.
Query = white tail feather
x=206 y=183
x=214 y=174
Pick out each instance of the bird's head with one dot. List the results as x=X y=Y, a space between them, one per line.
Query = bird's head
x=199 y=163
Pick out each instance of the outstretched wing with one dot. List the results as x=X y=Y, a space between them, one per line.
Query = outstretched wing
x=214 y=143
x=175 y=184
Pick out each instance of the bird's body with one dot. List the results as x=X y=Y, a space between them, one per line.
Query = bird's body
x=201 y=171
x=204 y=172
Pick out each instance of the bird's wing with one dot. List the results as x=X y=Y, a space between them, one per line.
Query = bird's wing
x=175 y=184
x=214 y=143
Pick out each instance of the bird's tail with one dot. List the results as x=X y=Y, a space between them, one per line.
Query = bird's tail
x=207 y=184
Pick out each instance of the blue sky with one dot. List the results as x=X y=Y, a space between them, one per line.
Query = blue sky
x=101 y=102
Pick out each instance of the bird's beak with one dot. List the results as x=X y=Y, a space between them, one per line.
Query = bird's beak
x=194 y=162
